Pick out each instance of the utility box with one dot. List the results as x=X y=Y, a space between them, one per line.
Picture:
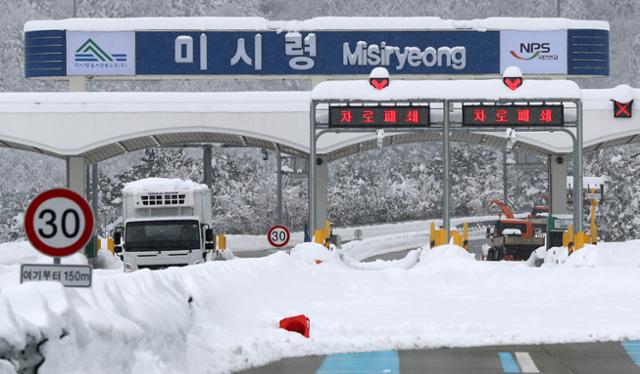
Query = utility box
x=558 y=223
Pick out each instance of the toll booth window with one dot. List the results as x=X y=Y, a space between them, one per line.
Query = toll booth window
x=162 y=235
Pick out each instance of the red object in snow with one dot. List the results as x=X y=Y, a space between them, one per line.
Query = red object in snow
x=300 y=324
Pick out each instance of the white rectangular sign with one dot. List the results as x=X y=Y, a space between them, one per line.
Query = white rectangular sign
x=101 y=53
x=68 y=275
x=534 y=52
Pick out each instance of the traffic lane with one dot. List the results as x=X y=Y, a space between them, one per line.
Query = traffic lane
x=259 y=252
x=475 y=247
x=577 y=358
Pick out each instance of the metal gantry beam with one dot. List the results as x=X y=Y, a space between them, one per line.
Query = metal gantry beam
x=449 y=105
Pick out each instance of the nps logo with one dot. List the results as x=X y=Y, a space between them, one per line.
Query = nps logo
x=90 y=51
x=532 y=51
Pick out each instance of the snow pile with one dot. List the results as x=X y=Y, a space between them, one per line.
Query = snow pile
x=626 y=254
x=161 y=185
x=449 y=254
x=591 y=256
x=223 y=316
x=13 y=254
x=314 y=254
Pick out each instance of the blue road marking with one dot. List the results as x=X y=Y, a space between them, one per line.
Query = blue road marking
x=509 y=365
x=384 y=362
x=633 y=350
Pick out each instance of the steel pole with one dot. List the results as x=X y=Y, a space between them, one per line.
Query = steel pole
x=577 y=180
x=505 y=187
x=206 y=165
x=312 y=171
x=94 y=191
x=279 y=187
x=446 y=193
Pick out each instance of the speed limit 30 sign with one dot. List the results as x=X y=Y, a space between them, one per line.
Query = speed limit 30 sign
x=278 y=236
x=58 y=222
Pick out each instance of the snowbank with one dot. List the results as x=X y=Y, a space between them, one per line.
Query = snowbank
x=223 y=316
x=625 y=254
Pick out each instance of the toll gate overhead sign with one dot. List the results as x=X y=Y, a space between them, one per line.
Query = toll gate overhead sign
x=513 y=115
x=379 y=116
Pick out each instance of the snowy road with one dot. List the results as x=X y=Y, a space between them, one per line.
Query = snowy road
x=223 y=316
x=581 y=358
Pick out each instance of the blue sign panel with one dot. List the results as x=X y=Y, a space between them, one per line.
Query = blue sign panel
x=588 y=52
x=184 y=53
x=316 y=53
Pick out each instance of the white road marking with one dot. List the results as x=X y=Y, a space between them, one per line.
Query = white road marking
x=526 y=362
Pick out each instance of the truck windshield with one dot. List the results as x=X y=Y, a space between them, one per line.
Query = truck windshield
x=162 y=235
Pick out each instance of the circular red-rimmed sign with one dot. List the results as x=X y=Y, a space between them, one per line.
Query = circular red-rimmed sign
x=58 y=222
x=278 y=236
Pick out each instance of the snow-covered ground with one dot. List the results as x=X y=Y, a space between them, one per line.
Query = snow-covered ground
x=223 y=316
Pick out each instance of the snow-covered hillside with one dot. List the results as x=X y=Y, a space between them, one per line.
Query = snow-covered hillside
x=223 y=316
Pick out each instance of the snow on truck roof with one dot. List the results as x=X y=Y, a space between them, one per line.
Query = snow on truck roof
x=480 y=89
x=320 y=23
x=162 y=185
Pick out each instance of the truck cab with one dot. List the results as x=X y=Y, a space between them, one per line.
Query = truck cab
x=167 y=222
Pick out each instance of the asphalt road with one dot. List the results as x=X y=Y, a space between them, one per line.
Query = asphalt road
x=474 y=247
x=582 y=358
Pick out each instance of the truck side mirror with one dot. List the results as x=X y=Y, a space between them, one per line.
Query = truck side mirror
x=208 y=235
x=117 y=237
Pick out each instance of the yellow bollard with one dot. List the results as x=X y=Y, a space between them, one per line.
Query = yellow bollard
x=318 y=236
x=222 y=242
x=579 y=243
x=568 y=239
x=457 y=238
x=111 y=245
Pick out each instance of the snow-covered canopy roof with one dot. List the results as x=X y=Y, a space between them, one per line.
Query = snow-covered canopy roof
x=485 y=89
x=102 y=125
x=320 y=23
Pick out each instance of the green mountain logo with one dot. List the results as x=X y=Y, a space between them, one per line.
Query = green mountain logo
x=90 y=51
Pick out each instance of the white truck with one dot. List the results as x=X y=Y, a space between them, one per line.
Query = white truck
x=167 y=222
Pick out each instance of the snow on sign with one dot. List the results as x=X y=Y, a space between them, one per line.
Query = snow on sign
x=58 y=222
x=278 y=236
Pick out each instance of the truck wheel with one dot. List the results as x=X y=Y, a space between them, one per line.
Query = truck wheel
x=491 y=254
x=500 y=254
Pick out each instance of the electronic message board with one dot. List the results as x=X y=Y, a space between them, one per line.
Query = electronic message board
x=513 y=115
x=379 y=116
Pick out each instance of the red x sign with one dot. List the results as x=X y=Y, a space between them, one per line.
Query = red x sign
x=622 y=110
